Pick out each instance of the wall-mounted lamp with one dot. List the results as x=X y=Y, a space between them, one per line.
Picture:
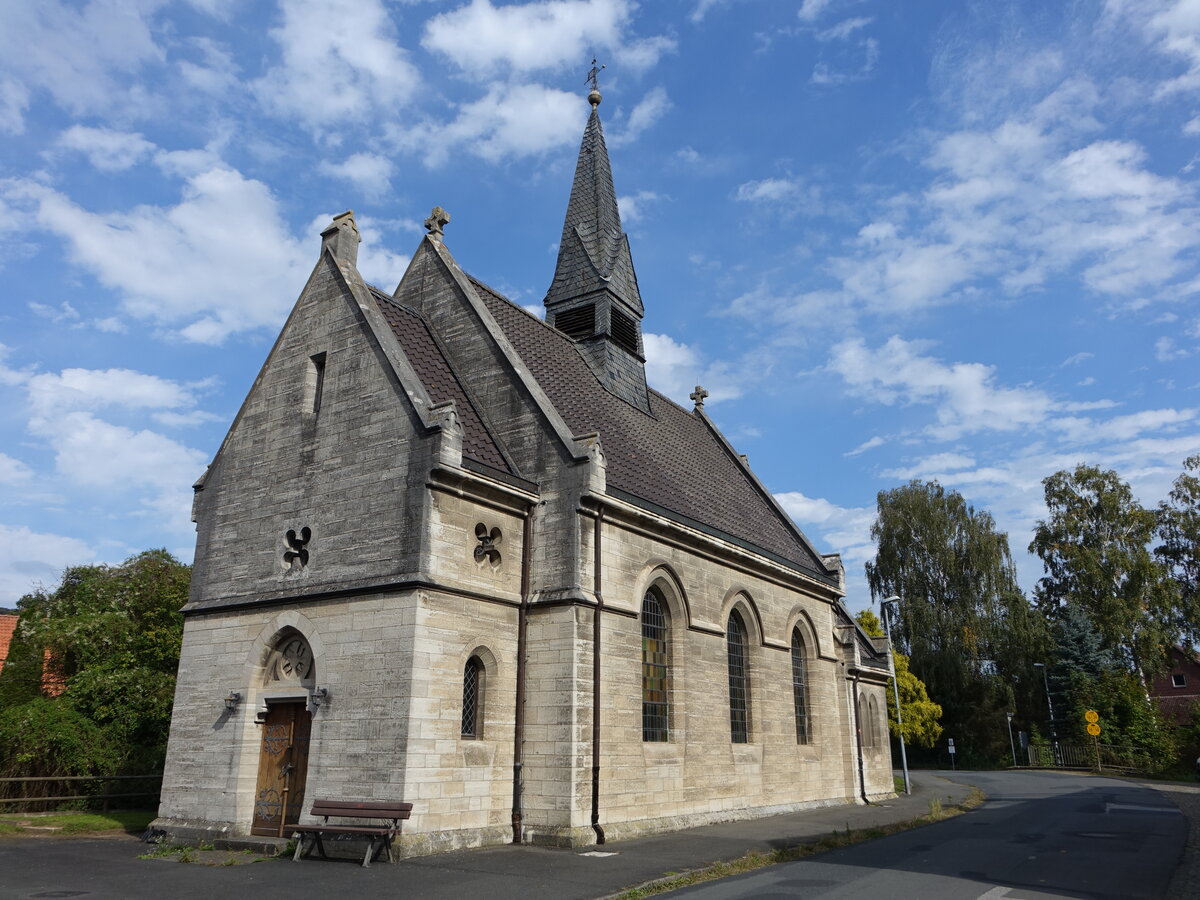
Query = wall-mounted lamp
x=232 y=701
x=319 y=695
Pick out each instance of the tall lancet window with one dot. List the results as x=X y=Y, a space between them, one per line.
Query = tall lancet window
x=800 y=686
x=656 y=668
x=739 y=680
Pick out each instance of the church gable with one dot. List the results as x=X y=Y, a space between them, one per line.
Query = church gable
x=319 y=483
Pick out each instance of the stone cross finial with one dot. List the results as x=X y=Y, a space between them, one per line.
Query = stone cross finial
x=438 y=218
x=697 y=396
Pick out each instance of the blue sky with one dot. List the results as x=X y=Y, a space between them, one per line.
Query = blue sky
x=947 y=240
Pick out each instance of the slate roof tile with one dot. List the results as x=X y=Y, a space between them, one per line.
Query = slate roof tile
x=434 y=370
x=670 y=457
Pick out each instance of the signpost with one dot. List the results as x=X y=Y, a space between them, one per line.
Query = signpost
x=1093 y=728
x=953 y=767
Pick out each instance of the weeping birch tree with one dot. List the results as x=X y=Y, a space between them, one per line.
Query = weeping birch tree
x=965 y=625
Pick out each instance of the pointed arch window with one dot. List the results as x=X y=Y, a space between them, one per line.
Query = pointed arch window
x=800 y=686
x=739 y=681
x=656 y=668
x=472 y=705
x=864 y=728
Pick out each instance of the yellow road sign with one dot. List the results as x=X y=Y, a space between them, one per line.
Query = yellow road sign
x=1092 y=716
x=1093 y=729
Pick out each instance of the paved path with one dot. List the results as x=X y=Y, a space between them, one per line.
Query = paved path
x=96 y=869
x=1040 y=835
x=100 y=869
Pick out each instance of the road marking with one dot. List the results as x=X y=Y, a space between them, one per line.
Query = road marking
x=996 y=893
x=596 y=853
x=1135 y=807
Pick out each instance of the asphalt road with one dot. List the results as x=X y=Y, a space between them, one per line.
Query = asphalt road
x=1039 y=835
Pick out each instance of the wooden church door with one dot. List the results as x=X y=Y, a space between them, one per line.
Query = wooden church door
x=282 y=768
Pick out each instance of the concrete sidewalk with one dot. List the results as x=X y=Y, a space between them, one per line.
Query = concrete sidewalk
x=107 y=868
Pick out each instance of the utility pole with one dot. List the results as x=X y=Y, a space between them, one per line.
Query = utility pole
x=1050 y=711
x=887 y=607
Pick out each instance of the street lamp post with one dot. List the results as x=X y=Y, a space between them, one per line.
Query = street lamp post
x=1049 y=710
x=1011 y=743
x=890 y=605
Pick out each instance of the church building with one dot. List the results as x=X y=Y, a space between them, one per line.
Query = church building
x=455 y=555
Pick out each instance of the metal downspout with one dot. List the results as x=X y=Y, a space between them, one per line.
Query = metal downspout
x=596 y=587
x=519 y=712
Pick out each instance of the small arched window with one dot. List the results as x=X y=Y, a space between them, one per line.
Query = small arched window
x=472 y=705
x=656 y=668
x=739 y=681
x=800 y=686
x=876 y=734
x=864 y=730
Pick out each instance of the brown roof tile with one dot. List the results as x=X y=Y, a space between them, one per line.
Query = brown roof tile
x=670 y=458
x=434 y=370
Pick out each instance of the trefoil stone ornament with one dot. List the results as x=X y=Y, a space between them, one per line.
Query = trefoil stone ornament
x=296 y=556
x=486 y=551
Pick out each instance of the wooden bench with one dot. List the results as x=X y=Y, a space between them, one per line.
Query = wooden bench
x=379 y=836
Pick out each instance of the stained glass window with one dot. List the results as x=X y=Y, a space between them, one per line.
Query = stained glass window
x=739 y=687
x=656 y=669
x=800 y=686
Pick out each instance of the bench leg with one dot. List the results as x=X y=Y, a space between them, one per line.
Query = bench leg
x=370 y=853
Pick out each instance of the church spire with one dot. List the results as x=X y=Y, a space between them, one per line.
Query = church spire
x=594 y=297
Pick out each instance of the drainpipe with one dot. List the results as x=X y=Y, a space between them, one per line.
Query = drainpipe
x=596 y=589
x=519 y=713
x=862 y=778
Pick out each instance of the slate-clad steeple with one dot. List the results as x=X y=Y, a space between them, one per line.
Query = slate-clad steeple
x=594 y=297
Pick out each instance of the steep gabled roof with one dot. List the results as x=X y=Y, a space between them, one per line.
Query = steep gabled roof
x=429 y=361
x=671 y=458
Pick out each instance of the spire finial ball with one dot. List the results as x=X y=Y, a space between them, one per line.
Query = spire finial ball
x=594 y=98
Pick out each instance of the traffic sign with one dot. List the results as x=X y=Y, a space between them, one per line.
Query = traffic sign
x=1092 y=716
x=1093 y=729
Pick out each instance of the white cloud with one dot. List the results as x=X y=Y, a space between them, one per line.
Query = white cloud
x=64 y=312
x=522 y=120
x=1165 y=350
x=82 y=55
x=965 y=394
x=811 y=10
x=480 y=37
x=869 y=444
x=649 y=110
x=675 y=369
x=71 y=390
x=847 y=529
x=369 y=172
x=844 y=29
x=218 y=262
x=931 y=467
x=340 y=63
x=13 y=471
x=633 y=206
x=29 y=559
x=107 y=150
x=1076 y=358
x=793 y=194
x=826 y=74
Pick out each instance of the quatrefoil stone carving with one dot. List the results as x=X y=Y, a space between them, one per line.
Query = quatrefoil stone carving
x=296 y=556
x=489 y=541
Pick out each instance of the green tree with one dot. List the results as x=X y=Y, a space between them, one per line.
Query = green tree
x=1179 y=530
x=1095 y=548
x=969 y=632
x=921 y=715
x=108 y=639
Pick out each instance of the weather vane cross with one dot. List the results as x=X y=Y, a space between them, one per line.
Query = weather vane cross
x=593 y=73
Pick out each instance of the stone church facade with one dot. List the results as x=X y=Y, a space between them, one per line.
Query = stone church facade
x=451 y=554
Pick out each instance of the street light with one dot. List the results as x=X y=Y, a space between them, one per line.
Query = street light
x=1049 y=710
x=1012 y=746
x=887 y=607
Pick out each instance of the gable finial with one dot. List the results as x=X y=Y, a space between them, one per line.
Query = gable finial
x=437 y=219
x=594 y=96
x=697 y=396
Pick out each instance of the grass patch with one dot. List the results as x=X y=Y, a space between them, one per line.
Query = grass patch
x=75 y=824
x=834 y=841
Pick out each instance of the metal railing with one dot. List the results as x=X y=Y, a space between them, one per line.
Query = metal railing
x=47 y=792
x=1090 y=757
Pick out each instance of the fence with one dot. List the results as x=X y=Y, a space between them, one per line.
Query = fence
x=41 y=794
x=1093 y=757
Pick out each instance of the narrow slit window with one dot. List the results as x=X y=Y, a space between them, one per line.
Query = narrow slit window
x=739 y=686
x=316 y=382
x=472 y=694
x=800 y=686
x=656 y=669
